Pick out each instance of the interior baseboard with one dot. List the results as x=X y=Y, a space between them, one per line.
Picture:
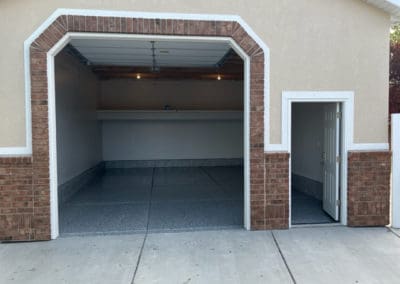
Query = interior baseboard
x=173 y=163
x=69 y=188
x=307 y=186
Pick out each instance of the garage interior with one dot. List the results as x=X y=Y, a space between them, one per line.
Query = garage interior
x=310 y=155
x=149 y=136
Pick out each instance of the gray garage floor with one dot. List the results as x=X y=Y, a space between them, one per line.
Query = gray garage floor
x=301 y=255
x=160 y=199
x=308 y=210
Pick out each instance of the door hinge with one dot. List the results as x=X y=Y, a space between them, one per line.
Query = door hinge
x=338 y=159
x=338 y=203
x=339 y=115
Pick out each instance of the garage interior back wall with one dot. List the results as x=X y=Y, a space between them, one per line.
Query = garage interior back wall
x=84 y=141
x=307 y=148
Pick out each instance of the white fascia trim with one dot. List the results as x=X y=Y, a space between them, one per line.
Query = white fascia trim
x=392 y=7
x=27 y=150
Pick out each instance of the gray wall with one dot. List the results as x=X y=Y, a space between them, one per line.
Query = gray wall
x=164 y=139
x=83 y=141
x=78 y=132
x=307 y=140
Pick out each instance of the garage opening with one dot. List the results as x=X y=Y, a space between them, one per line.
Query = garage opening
x=315 y=149
x=150 y=136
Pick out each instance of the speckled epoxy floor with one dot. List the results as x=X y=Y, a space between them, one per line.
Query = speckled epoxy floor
x=160 y=199
x=308 y=210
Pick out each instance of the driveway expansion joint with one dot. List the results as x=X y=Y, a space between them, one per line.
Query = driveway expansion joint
x=283 y=258
x=147 y=229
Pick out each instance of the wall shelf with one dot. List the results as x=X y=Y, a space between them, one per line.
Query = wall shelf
x=168 y=115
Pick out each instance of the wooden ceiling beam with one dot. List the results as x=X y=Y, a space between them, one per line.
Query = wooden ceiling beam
x=229 y=68
x=113 y=72
x=172 y=76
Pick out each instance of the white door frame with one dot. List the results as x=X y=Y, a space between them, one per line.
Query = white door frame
x=395 y=192
x=52 y=110
x=346 y=98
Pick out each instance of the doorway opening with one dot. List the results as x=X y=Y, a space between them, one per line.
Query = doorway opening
x=316 y=135
x=150 y=135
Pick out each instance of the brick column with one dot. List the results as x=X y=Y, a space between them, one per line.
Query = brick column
x=16 y=199
x=270 y=206
x=368 y=190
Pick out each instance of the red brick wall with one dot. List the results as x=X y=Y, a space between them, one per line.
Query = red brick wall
x=270 y=200
x=16 y=199
x=368 y=191
x=25 y=182
x=277 y=190
x=35 y=224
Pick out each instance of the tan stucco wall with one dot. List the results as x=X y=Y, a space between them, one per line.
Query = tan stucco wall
x=315 y=45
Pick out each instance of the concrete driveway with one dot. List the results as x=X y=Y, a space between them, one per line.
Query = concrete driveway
x=300 y=255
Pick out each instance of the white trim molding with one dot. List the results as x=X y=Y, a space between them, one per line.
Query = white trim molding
x=52 y=112
x=395 y=192
x=346 y=98
x=27 y=149
x=369 y=147
x=15 y=151
x=389 y=6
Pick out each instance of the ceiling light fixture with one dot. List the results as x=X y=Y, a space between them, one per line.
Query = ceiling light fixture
x=219 y=77
x=138 y=76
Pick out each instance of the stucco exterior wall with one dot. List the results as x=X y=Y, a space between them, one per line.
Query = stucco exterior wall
x=314 y=45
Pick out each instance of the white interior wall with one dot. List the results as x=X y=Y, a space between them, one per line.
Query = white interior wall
x=307 y=140
x=83 y=141
x=165 y=139
x=78 y=131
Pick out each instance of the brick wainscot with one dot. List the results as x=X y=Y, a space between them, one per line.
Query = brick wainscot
x=25 y=181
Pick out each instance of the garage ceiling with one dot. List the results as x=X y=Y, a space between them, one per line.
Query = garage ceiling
x=161 y=59
x=139 y=53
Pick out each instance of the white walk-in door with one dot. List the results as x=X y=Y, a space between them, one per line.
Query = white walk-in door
x=331 y=159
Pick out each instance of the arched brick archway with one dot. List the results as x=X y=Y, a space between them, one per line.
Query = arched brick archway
x=268 y=172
